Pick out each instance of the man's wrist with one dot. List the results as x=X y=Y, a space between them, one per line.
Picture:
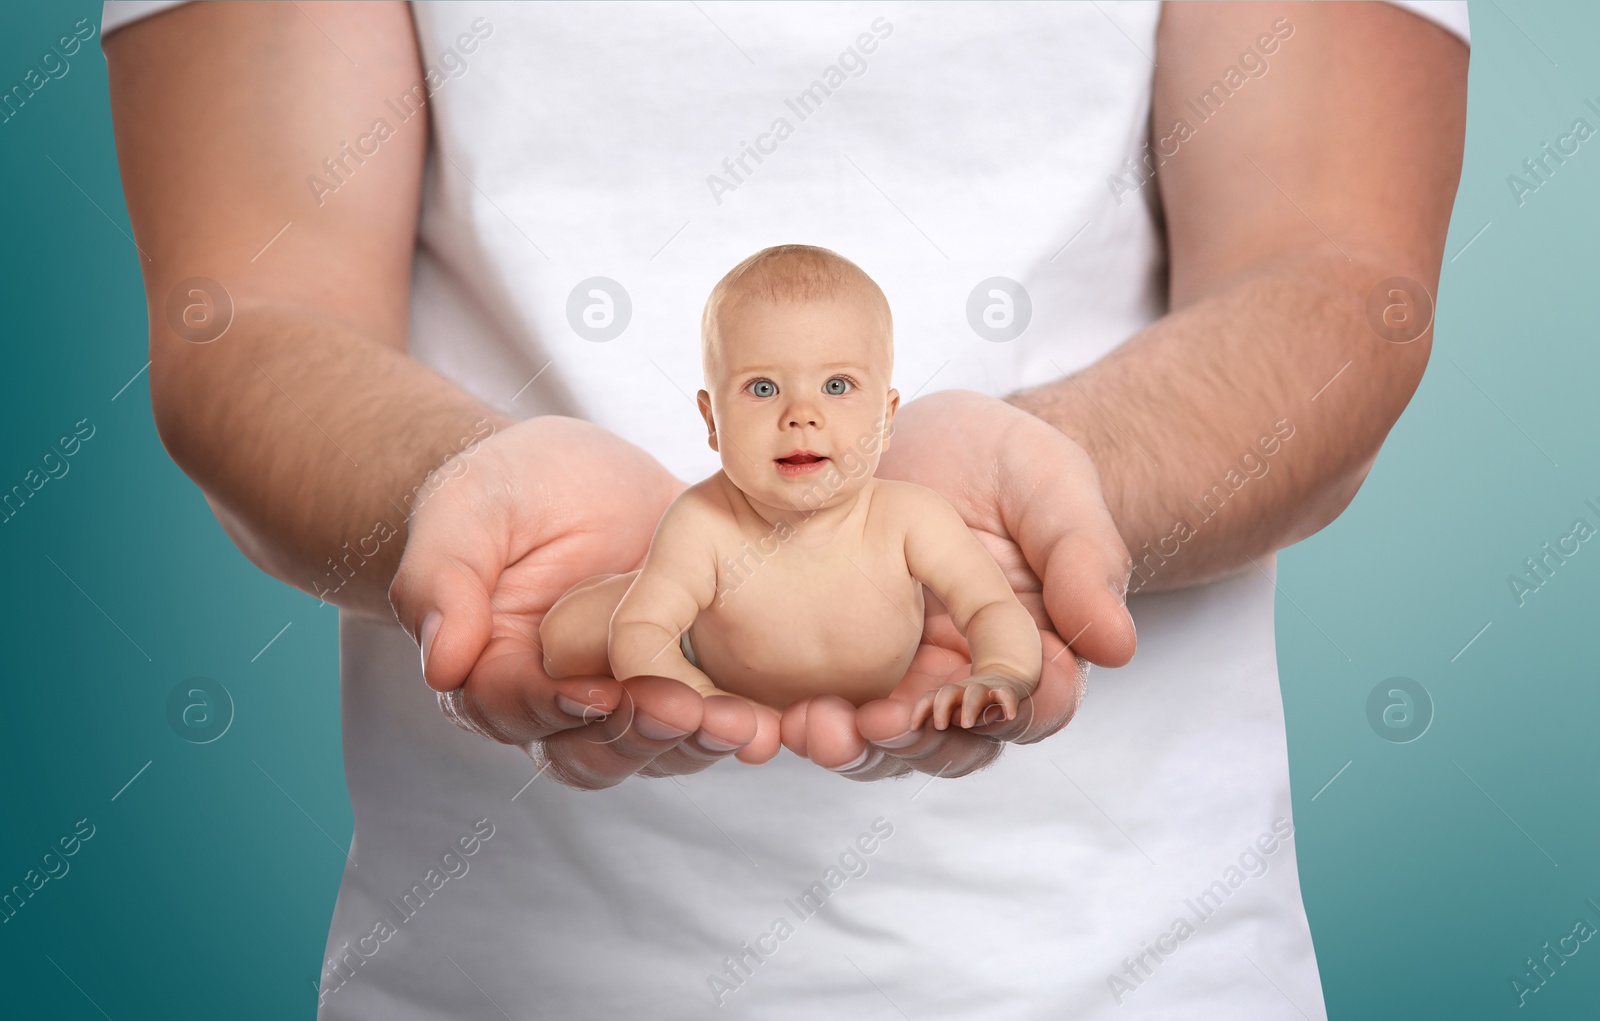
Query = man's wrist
x=1063 y=406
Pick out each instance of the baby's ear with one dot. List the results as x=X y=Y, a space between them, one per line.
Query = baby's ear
x=890 y=407
x=702 y=400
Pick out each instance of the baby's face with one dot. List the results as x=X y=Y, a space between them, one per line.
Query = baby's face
x=799 y=401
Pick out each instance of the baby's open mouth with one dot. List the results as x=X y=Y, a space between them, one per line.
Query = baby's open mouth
x=800 y=463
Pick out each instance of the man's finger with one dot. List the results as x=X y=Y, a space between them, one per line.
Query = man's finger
x=829 y=735
x=1085 y=610
x=726 y=725
x=768 y=740
x=955 y=752
x=508 y=698
x=441 y=589
x=1055 y=509
x=654 y=715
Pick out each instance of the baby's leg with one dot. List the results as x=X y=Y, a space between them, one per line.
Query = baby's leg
x=576 y=631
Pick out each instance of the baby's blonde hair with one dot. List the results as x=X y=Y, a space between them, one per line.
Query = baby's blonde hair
x=789 y=274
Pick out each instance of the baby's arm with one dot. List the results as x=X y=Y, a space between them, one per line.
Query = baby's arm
x=943 y=554
x=677 y=581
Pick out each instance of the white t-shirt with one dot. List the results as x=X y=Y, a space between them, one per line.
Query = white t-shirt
x=1140 y=864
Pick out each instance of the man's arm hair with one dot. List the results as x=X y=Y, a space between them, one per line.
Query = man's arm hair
x=305 y=423
x=1246 y=418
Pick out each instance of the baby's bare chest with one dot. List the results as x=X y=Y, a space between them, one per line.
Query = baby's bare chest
x=785 y=610
x=830 y=584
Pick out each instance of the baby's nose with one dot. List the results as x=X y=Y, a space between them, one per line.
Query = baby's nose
x=803 y=413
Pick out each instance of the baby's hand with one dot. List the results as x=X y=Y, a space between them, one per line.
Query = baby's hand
x=978 y=697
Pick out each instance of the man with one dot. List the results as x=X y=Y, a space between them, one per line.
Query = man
x=1156 y=232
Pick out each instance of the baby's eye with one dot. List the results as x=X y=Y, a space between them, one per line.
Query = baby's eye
x=836 y=386
x=762 y=388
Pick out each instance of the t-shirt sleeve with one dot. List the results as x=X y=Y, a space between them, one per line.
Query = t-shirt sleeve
x=116 y=13
x=1450 y=15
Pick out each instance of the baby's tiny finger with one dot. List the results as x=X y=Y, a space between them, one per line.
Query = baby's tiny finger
x=1050 y=706
x=973 y=700
x=920 y=711
x=1008 y=702
x=947 y=697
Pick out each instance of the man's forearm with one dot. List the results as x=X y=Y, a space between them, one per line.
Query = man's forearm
x=312 y=442
x=1240 y=423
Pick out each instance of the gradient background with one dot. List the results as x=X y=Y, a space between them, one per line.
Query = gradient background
x=1431 y=869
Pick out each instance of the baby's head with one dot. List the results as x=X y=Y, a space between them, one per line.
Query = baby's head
x=798 y=346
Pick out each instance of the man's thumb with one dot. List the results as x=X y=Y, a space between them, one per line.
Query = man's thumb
x=443 y=605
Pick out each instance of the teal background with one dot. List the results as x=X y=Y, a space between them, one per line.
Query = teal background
x=1431 y=869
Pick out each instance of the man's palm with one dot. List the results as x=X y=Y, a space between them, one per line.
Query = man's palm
x=543 y=505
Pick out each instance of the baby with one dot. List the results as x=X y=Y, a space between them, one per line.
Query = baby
x=793 y=571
